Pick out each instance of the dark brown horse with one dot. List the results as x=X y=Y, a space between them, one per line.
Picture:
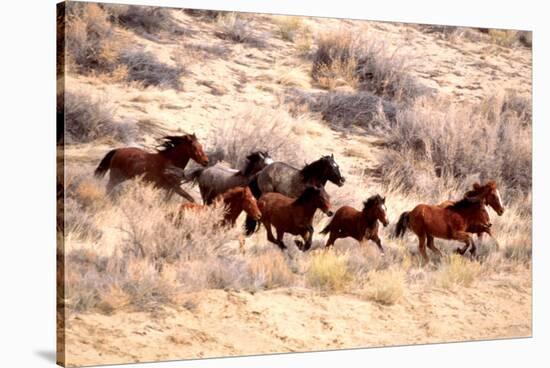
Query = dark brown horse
x=293 y=215
x=360 y=225
x=483 y=223
x=236 y=200
x=451 y=222
x=158 y=168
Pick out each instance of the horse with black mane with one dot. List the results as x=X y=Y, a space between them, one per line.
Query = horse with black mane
x=159 y=168
x=360 y=225
x=451 y=222
x=483 y=222
x=293 y=215
x=285 y=179
x=217 y=179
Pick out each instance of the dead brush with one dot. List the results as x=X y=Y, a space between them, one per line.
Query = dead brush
x=259 y=129
x=364 y=64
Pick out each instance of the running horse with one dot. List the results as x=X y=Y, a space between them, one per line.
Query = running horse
x=483 y=222
x=289 y=181
x=235 y=201
x=293 y=215
x=360 y=225
x=452 y=222
x=159 y=168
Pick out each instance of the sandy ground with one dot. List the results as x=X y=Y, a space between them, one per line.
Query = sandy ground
x=223 y=323
x=215 y=323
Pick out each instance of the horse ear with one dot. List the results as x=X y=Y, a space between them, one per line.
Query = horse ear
x=477 y=186
x=332 y=155
x=383 y=199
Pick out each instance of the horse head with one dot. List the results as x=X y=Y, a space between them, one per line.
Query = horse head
x=323 y=169
x=256 y=161
x=250 y=205
x=333 y=170
x=377 y=205
x=316 y=196
x=182 y=148
x=490 y=194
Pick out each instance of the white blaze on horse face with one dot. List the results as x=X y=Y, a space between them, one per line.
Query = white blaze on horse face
x=499 y=198
x=268 y=160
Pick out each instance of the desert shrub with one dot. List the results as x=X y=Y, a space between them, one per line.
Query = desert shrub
x=259 y=129
x=88 y=118
x=147 y=19
x=363 y=63
x=504 y=37
x=457 y=270
x=270 y=270
x=235 y=27
x=145 y=68
x=90 y=40
x=288 y=27
x=457 y=141
x=385 y=287
x=328 y=271
x=204 y=14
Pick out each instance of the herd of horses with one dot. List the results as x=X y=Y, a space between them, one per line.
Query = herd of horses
x=286 y=198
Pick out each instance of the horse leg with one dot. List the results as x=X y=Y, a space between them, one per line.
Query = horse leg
x=465 y=238
x=331 y=239
x=378 y=242
x=280 y=235
x=184 y=194
x=270 y=236
x=422 y=248
x=433 y=247
x=307 y=236
x=114 y=180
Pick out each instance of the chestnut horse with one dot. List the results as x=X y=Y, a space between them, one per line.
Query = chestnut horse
x=236 y=200
x=360 y=225
x=483 y=223
x=451 y=222
x=158 y=168
x=293 y=215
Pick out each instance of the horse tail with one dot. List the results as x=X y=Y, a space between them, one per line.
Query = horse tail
x=255 y=187
x=326 y=230
x=105 y=164
x=402 y=225
x=251 y=226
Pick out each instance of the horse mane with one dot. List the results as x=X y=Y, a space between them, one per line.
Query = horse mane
x=233 y=193
x=307 y=195
x=170 y=142
x=249 y=163
x=314 y=169
x=375 y=199
x=478 y=189
x=464 y=203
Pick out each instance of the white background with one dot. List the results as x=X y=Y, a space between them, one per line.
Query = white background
x=27 y=182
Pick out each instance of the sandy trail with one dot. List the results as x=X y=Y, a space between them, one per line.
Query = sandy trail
x=216 y=323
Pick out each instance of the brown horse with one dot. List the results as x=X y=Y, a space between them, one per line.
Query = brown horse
x=360 y=225
x=293 y=215
x=451 y=222
x=158 y=168
x=483 y=223
x=236 y=200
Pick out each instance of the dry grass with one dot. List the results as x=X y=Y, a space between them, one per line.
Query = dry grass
x=145 y=19
x=457 y=270
x=259 y=129
x=235 y=27
x=343 y=56
x=88 y=119
x=143 y=67
x=386 y=286
x=288 y=27
x=90 y=39
x=328 y=271
x=448 y=142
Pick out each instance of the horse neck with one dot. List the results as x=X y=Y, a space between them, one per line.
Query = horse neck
x=179 y=159
x=307 y=209
x=368 y=218
x=472 y=212
x=234 y=208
